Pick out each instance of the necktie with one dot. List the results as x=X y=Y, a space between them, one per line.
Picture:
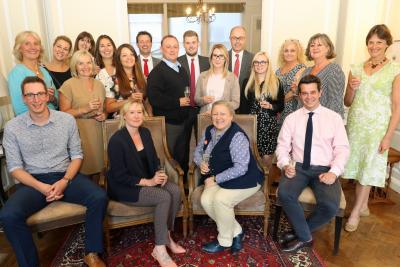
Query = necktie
x=145 y=67
x=308 y=142
x=237 y=66
x=192 y=83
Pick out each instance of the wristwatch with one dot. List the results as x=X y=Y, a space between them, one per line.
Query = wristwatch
x=68 y=180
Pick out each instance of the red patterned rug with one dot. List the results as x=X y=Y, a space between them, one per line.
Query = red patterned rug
x=132 y=247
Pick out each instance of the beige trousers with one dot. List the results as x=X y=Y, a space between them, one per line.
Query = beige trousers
x=219 y=204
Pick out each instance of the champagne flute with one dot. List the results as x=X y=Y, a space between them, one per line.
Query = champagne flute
x=161 y=170
x=187 y=92
x=205 y=158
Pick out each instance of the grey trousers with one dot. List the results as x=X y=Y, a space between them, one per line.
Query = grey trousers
x=166 y=200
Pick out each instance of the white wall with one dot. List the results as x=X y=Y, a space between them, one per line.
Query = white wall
x=50 y=18
x=346 y=22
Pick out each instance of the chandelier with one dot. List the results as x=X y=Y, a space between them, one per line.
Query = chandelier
x=203 y=13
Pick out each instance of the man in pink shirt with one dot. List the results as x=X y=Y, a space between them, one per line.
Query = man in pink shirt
x=312 y=151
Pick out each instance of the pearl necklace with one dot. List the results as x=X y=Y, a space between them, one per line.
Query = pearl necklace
x=377 y=64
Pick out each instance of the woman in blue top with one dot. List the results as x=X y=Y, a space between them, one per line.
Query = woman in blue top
x=28 y=51
x=230 y=176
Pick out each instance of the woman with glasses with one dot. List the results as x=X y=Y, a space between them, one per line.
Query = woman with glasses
x=217 y=83
x=127 y=83
x=83 y=97
x=291 y=65
x=28 y=51
x=265 y=96
x=58 y=67
x=320 y=49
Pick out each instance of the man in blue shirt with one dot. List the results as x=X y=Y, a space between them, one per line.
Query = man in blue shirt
x=44 y=154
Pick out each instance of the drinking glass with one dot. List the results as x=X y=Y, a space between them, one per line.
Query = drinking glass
x=187 y=92
x=355 y=71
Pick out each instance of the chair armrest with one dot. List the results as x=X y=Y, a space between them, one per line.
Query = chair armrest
x=267 y=181
x=175 y=172
x=103 y=179
x=191 y=178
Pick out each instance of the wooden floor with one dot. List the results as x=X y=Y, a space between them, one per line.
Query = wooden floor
x=375 y=243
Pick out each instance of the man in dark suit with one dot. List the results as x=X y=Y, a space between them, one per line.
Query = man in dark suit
x=240 y=63
x=144 y=41
x=194 y=64
x=165 y=88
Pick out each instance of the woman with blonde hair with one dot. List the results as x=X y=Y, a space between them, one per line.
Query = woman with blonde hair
x=217 y=83
x=58 y=67
x=135 y=177
x=291 y=65
x=83 y=97
x=28 y=52
x=265 y=96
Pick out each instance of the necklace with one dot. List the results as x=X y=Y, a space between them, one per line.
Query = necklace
x=377 y=64
x=35 y=70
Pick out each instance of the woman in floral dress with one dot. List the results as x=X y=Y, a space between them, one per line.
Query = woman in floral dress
x=373 y=95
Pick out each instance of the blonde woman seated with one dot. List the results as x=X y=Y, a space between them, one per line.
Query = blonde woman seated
x=217 y=83
x=230 y=176
x=134 y=177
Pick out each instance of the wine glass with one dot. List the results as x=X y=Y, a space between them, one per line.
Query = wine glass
x=205 y=158
x=187 y=92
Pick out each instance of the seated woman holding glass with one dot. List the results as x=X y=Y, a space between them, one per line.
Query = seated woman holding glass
x=230 y=175
x=135 y=176
x=217 y=83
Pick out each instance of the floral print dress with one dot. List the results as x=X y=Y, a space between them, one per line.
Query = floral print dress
x=367 y=123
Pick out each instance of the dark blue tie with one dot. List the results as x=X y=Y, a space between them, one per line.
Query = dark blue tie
x=308 y=142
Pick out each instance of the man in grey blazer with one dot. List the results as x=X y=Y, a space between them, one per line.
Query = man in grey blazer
x=144 y=41
x=240 y=63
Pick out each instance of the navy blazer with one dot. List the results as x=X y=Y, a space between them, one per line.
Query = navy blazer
x=204 y=64
x=126 y=168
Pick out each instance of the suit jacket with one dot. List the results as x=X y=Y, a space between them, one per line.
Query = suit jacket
x=245 y=69
x=126 y=167
x=155 y=61
x=203 y=62
x=231 y=90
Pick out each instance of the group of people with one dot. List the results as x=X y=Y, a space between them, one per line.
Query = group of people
x=299 y=118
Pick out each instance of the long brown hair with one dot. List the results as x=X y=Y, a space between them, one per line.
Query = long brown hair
x=125 y=89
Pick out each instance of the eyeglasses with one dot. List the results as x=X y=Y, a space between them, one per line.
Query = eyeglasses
x=260 y=63
x=236 y=38
x=215 y=56
x=31 y=96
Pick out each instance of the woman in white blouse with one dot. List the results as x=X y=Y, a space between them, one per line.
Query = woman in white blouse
x=217 y=83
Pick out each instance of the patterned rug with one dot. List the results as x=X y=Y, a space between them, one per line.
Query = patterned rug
x=132 y=247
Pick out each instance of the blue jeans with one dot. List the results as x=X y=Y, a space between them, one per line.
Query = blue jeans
x=27 y=200
x=327 y=197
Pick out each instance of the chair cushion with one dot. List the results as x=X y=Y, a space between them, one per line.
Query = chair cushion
x=125 y=209
x=254 y=203
x=307 y=196
x=55 y=211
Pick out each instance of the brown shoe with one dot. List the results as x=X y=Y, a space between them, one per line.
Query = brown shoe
x=93 y=260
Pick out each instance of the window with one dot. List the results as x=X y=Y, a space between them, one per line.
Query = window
x=177 y=27
x=151 y=23
x=219 y=30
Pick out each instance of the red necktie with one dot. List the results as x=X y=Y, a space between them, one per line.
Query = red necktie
x=237 y=66
x=145 y=67
x=192 y=83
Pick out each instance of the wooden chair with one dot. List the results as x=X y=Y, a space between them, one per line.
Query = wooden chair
x=123 y=214
x=308 y=201
x=257 y=204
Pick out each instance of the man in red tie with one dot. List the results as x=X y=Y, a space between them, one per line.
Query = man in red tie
x=144 y=42
x=240 y=63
